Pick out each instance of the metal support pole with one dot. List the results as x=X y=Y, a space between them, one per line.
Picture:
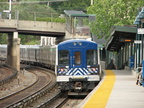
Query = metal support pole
x=17 y=18
x=142 y=43
x=92 y=2
x=143 y=73
x=135 y=52
x=138 y=64
x=142 y=57
x=139 y=50
x=9 y=9
x=142 y=47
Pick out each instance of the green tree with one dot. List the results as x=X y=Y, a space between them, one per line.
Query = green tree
x=113 y=12
x=3 y=38
x=70 y=5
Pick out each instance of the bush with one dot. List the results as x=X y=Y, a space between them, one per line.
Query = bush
x=48 y=19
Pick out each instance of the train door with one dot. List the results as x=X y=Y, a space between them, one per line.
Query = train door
x=77 y=59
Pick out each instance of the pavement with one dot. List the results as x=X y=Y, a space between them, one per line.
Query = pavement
x=118 y=89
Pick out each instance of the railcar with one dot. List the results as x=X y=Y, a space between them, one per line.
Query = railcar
x=23 y=54
x=28 y=54
x=48 y=56
x=76 y=63
x=32 y=57
x=77 y=66
x=3 y=52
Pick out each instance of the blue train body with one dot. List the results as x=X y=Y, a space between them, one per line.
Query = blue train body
x=78 y=65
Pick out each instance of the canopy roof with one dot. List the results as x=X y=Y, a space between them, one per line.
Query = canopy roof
x=73 y=13
x=119 y=35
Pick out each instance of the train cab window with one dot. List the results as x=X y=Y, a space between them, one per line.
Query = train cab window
x=77 y=57
x=91 y=57
x=3 y=51
x=63 y=57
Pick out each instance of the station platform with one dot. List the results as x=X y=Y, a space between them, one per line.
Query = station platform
x=117 y=89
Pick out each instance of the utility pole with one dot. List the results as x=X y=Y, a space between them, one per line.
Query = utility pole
x=9 y=9
x=92 y=2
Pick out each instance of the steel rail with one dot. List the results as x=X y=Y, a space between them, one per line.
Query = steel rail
x=11 y=77
x=30 y=98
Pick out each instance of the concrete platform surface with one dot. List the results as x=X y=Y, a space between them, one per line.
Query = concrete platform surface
x=118 y=89
x=125 y=93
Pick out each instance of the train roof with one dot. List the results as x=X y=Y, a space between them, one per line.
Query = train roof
x=49 y=47
x=77 y=43
x=29 y=46
x=76 y=40
x=3 y=46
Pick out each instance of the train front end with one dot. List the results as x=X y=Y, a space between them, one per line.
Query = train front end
x=77 y=66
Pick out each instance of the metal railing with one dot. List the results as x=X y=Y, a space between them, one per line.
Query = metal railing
x=29 y=15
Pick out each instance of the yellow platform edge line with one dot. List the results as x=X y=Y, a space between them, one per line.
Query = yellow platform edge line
x=100 y=98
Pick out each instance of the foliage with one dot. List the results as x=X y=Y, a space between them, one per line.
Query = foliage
x=2 y=0
x=36 y=42
x=70 y=5
x=32 y=11
x=113 y=12
x=3 y=38
x=49 y=19
x=29 y=39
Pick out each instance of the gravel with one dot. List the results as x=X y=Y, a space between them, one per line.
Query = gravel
x=23 y=80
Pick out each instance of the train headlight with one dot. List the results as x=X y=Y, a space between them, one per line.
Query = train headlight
x=62 y=71
x=93 y=70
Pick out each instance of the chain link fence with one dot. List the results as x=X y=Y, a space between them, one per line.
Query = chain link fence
x=33 y=16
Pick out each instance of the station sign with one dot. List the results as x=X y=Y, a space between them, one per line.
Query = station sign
x=137 y=41
x=140 y=30
x=125 y=40
x=7 y=11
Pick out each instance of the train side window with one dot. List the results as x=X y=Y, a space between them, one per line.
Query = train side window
x=63 y=57
x=91 y=57
x=3 y=51
x=77 y=57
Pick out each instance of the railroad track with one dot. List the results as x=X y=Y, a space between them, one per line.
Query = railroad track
x=42 y=94
x=45 y=82
x=7 y=73
x=72 y=102
x=61 y=100
x=54 y=101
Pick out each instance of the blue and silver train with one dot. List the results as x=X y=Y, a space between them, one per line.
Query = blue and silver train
x=78 y=65
x=76 y=62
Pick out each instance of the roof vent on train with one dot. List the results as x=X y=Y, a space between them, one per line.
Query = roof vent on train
x=77 y=43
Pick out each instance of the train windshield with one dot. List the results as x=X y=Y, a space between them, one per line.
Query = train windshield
x=92 y=57
x=63 y=57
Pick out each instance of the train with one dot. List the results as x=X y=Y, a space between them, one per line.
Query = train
x=76 y=63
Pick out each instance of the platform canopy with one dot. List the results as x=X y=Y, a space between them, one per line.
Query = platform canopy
x=119 y=35
x=73 y=13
